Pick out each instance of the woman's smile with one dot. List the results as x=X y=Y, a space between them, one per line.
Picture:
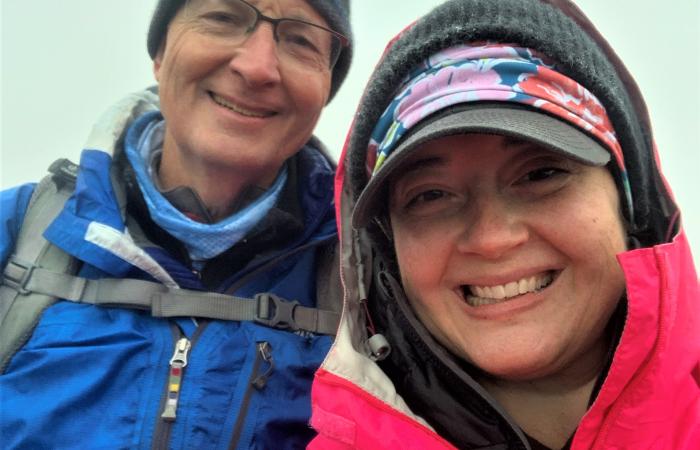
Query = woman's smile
x=478 y=296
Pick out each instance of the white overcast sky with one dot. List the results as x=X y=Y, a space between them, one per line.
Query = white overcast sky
x=64 y=62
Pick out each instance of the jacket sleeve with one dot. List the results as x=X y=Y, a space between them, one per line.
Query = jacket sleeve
x=13 y=206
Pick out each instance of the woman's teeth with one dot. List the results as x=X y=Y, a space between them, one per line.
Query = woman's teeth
x=246 y=112
x=490 y=295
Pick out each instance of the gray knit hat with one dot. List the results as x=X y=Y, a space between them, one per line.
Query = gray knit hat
x=335 y=12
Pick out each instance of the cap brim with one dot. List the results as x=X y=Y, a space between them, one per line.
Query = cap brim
x=505 y=119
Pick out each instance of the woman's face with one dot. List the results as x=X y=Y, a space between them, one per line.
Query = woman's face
x=507 y=253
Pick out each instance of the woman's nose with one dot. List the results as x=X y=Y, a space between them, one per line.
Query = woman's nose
x=492 y=230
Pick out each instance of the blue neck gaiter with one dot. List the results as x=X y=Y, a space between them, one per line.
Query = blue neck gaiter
x=202 y=241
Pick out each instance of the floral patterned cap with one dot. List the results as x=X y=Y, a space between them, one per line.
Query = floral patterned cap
x=488 y=88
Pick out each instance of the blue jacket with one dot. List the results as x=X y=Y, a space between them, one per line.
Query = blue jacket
x=96 y=377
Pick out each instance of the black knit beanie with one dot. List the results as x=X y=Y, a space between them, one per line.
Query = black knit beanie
x=335 y=12
x=538 y=25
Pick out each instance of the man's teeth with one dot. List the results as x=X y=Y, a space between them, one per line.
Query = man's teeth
x=488 y=295
x=238 y=109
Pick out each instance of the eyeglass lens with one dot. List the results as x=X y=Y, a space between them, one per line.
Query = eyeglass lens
x=300 y=42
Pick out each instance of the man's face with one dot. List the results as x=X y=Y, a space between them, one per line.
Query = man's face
x=236 y=109
x=507 y=253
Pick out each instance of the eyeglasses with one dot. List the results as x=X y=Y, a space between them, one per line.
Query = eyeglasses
x=298 y=41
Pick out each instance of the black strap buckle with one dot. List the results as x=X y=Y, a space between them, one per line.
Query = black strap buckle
x=275 y=312
x=64 y=171
x=17 y=275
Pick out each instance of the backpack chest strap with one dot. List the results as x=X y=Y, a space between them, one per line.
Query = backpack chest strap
x=265 y=308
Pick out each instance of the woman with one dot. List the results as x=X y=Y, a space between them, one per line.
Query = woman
x=515 y=271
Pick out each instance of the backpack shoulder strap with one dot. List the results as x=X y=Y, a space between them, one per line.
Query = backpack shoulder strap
x=18 y=318
x=38 y=273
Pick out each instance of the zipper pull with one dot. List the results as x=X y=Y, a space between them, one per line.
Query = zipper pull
x=265 y=355
x=177 y=365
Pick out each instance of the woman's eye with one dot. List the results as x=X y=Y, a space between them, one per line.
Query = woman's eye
x=428 y=203
x=428 y=197
x=542 y=174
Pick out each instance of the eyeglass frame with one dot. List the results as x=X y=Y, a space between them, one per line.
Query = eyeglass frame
x=344 y=41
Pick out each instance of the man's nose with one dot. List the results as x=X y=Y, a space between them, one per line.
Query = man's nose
x=256 y=58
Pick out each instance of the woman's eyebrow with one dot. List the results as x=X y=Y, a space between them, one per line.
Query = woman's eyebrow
x=511 y=142
x=419 y=164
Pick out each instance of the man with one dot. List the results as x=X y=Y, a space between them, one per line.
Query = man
x=213 y=185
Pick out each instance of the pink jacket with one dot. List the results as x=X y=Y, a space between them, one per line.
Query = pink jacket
x=650 y=398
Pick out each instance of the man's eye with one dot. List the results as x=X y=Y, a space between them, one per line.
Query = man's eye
x=228 y=19
x=301 y=42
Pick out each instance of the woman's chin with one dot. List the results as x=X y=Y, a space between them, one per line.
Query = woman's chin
x=519 y=367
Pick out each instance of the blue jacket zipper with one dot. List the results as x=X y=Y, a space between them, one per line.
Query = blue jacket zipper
x=177 y=368
x=167 y=412
x=257 y=381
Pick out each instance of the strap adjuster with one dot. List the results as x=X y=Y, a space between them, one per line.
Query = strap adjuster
x=275 y=312
x=17 y=275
